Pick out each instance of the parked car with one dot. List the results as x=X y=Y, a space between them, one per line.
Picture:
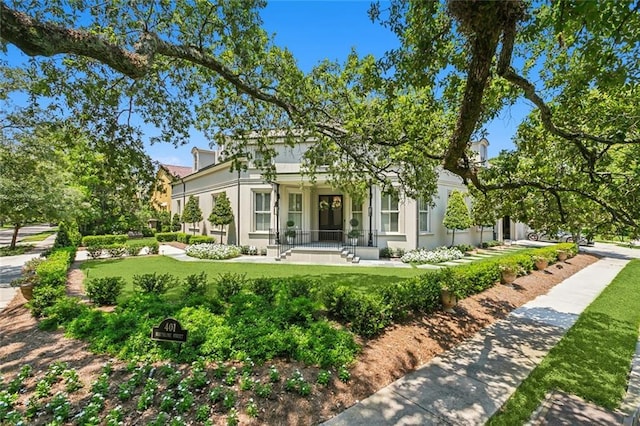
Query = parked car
x=560 y=236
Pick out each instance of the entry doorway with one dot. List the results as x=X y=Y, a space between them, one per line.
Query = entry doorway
x=330 y=217
x=506 y=228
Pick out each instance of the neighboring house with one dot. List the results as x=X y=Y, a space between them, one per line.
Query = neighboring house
x=166 y=175
x=321 y=214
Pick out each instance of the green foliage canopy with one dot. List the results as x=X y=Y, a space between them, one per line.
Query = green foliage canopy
x=212 y=67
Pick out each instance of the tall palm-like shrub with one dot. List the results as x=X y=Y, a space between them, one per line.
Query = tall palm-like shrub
x=192 y=213
x=457 y=214
x=221 y=215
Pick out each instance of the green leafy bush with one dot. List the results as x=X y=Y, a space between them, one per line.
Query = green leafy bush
x=103 y=240
x=63 y=310
x=476 y=277
x=195 y=284
x=167 y=236
x=154 y=283
x=491 y=243
x=53 y=271
x=183 y=237
x=201 y=239
x=105 y=291
x=229 y=284
x=44 y=296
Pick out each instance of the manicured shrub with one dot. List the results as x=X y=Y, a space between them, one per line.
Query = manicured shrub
x=476 y=277
x=63 y=310
x=229 y=284
x=415 y=295
x=183 y=237
x=491 y=243
x=53 y=271
x=154 y=283
x=103 y=240
x=167 y=236
x=369 y=315
x=201 y=239
x=264 y=287
x=464 y=247
x=105 y=291
x=195 y=284
x=44 y=296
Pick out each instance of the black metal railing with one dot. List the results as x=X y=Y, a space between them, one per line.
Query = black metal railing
x=321 y=238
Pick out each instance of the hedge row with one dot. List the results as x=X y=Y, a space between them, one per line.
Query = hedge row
x=103 y=240
x=369 y=314
x=130 y=248
x=182 y=237
x=51 y=279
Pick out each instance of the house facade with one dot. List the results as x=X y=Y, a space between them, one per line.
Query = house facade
x=293 y=215
x=167 y=173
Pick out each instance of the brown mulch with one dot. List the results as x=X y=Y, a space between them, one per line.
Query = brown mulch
x=398 y=351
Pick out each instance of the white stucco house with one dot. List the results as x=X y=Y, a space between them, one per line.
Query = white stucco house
x=321 y=214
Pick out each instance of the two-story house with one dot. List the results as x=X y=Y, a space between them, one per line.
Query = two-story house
x=291 y=215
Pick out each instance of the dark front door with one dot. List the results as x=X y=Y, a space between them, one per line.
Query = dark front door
x=330 y=217
x=506 y=228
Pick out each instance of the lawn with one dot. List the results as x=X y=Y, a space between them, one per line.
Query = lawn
x=38 y=237
x=363 y=278
x=593 y=359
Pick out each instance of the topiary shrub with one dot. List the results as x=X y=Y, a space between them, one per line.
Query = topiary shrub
x=105 y=291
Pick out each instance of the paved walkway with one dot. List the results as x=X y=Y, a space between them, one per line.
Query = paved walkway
x=468 y=384
x=10 y=267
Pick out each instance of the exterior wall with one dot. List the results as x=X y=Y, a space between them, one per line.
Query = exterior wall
x=241 y=190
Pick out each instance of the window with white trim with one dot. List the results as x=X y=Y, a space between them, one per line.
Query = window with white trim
x=424 y=216
x=356 y=213
x=295 y=210
x=262 y=211
x=389 y=213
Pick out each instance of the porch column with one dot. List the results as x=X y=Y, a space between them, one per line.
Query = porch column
x=370 y=211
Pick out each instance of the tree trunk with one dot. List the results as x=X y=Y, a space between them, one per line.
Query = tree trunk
x=453 y=236
x=14 y=237
x=221 y=234
x=481 y=234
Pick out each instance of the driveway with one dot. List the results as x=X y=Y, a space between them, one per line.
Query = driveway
x=6 y=234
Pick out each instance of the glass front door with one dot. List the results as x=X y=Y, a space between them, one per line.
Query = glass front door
x=330 y=217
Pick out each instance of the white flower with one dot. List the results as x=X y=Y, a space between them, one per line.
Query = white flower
x=438 y=255
x=212 y=251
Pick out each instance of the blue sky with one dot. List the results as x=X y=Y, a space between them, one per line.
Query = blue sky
x=314 y=30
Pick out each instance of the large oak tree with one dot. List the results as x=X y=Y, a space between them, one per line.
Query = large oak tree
x=211 y=66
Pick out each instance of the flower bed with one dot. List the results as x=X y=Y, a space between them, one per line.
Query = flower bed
x=438 y=255
x=212 y=251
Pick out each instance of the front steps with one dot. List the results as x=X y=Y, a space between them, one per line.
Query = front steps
x=319 y=255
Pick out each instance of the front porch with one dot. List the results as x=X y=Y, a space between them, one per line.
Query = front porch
x=321 y=245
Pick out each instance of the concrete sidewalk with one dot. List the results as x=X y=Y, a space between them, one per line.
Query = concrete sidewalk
x=10 y=267
x=469 y=383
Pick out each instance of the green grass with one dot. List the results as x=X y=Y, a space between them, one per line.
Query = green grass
x=361 y=278
x=38 y=237
x=18 y=250
x=593 y=359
